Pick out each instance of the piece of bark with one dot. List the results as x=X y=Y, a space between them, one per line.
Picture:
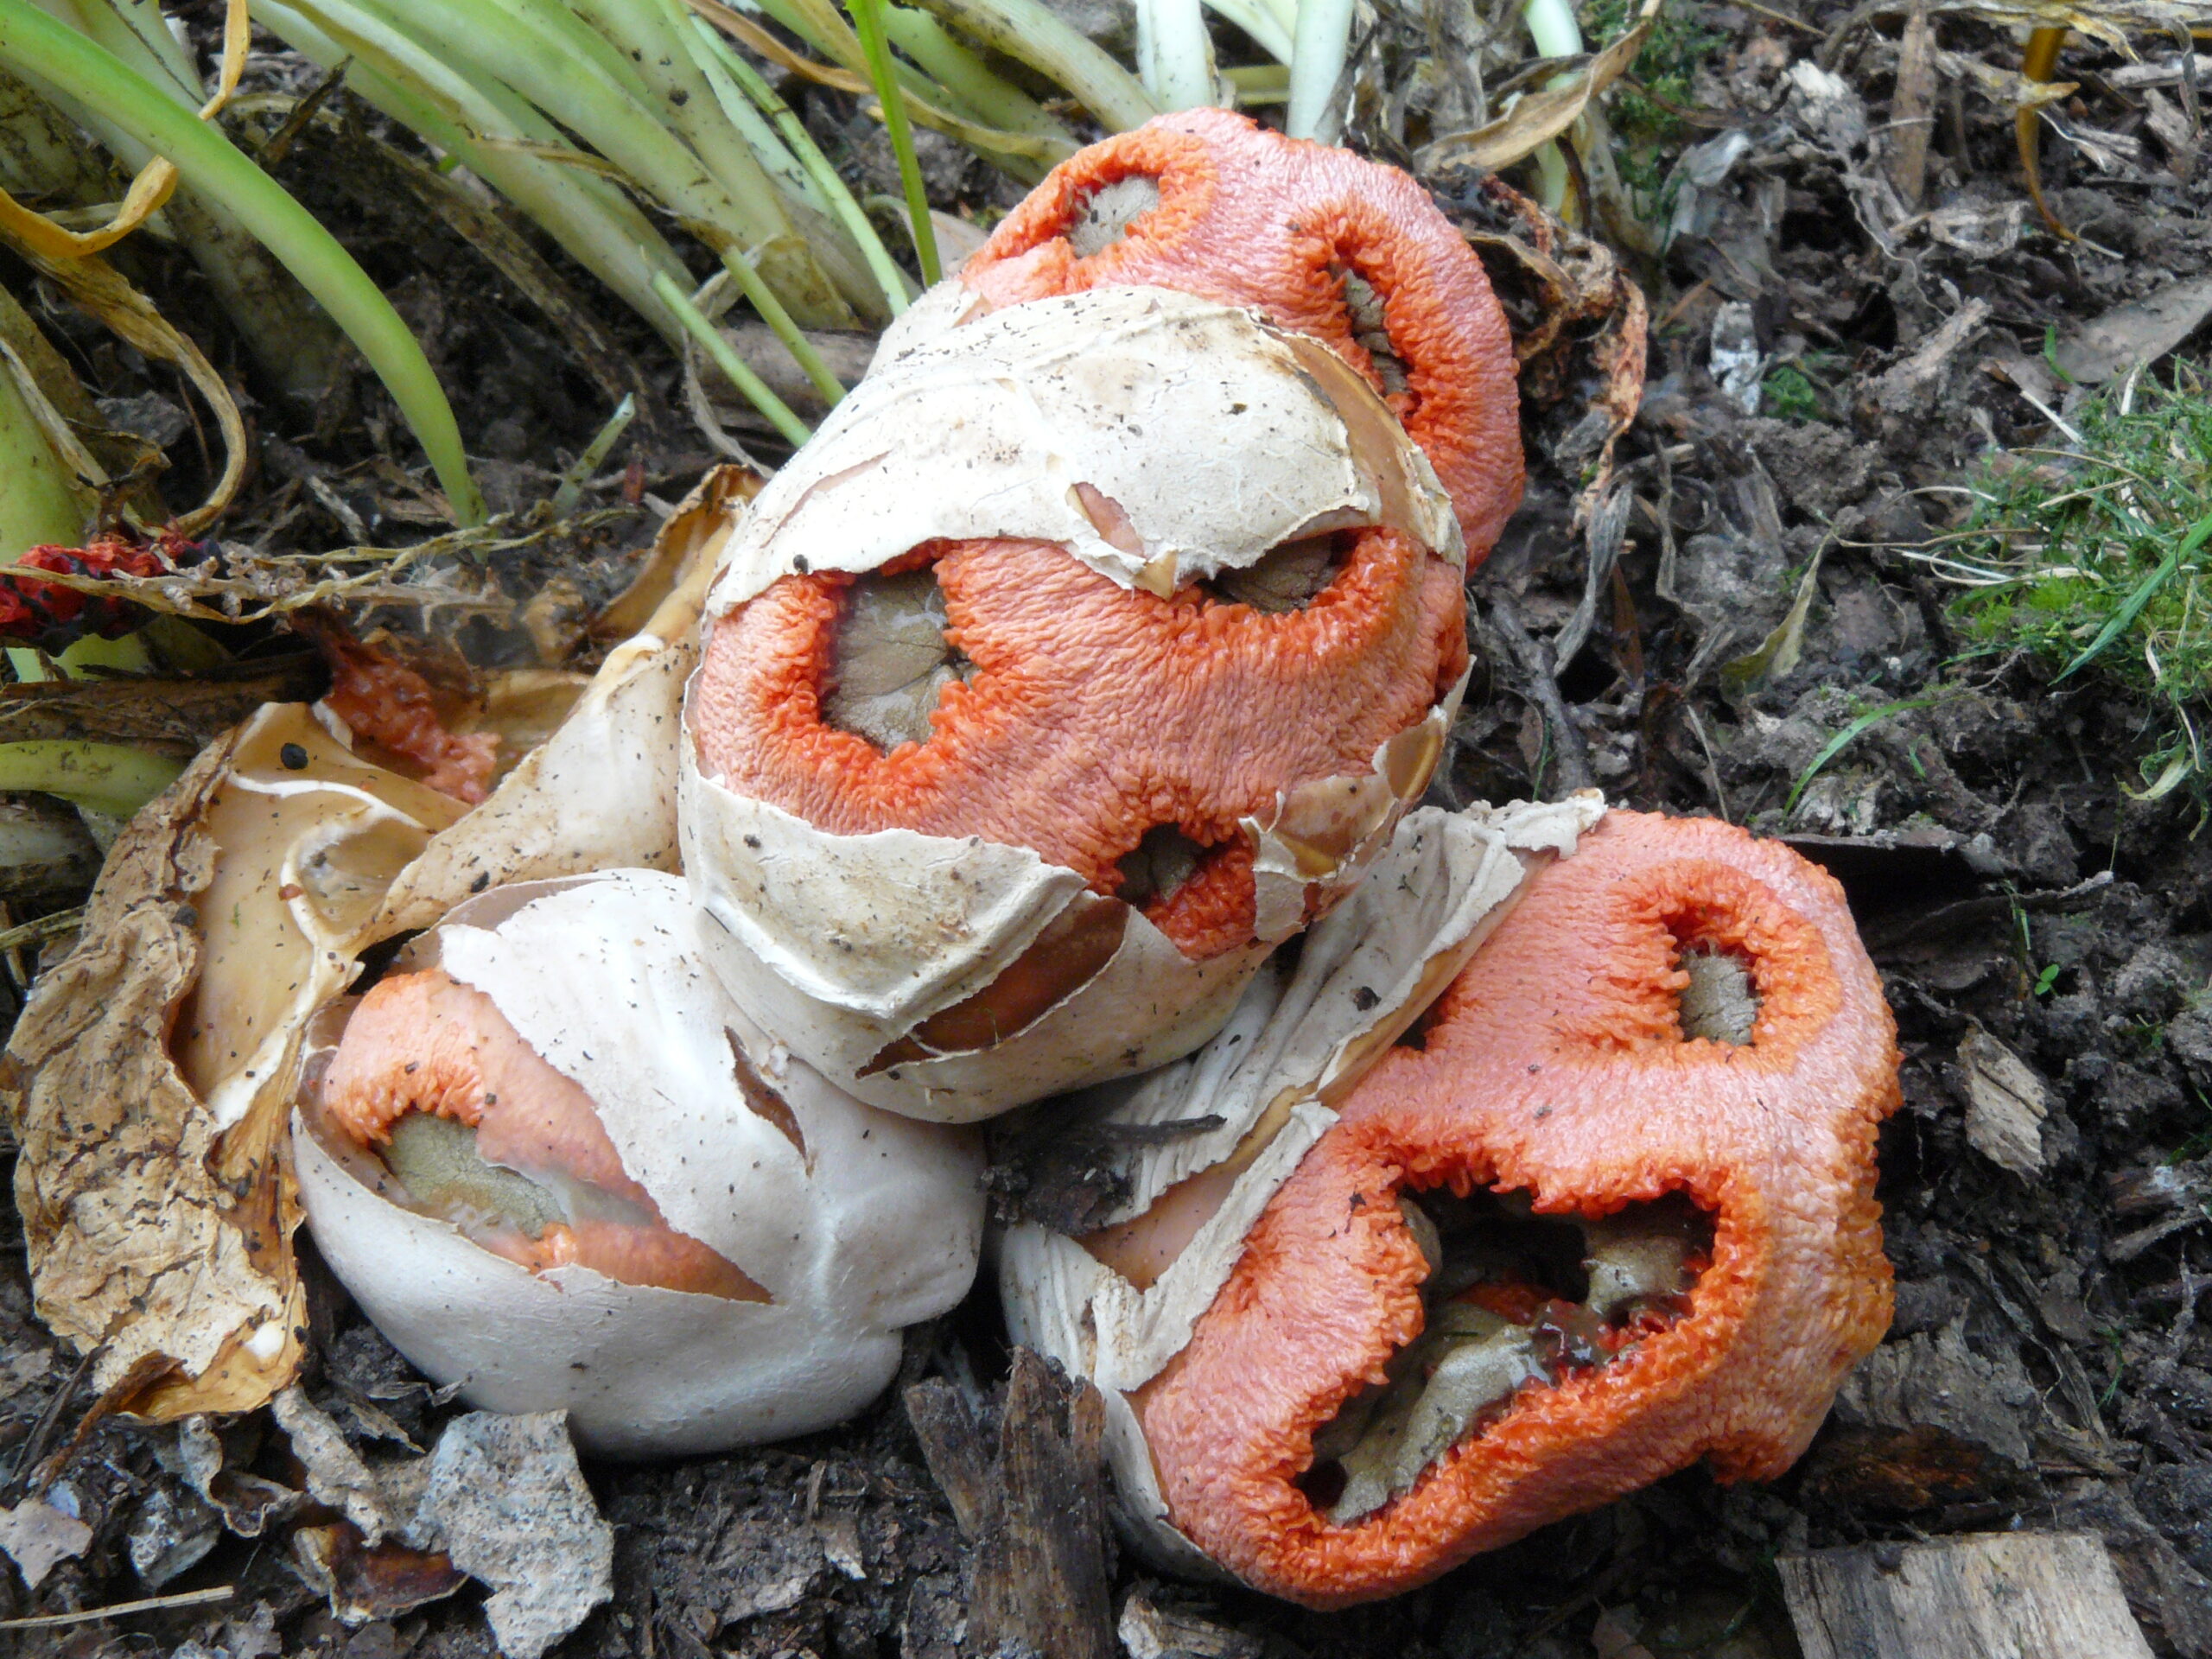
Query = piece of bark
x=2032 y=1595
x=953 y=1447
x=175 y=717
x=1912 y=108
x=1036 y=1521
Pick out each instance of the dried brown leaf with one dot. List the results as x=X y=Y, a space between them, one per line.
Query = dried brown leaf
x=150 y=1077
x=1541 y=115
x=2111 y=24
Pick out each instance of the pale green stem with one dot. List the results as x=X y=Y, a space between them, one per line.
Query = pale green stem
x=867 y=23
x=755 y=389
x=599 y=226
x=1285 y=13
x=514 y=41
x=128 y=653
x=647 y=33
x=987 y=97
x=1268 y=30
x=105 y=777
x=1175 y=55
x=137 y=32
x=822 y=27
x=713 y=58
x=32 y=43
x=1317 y=63
x=1552 y=30
x=1260 y=83
x=1026 y=32
x=833 y=189
x=43 y=154
x=779 y=322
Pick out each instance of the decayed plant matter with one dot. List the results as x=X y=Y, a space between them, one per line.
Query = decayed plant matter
x=150 y=1077
x=150 y=1069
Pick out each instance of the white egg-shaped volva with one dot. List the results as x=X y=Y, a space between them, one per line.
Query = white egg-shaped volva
x=556 y=1166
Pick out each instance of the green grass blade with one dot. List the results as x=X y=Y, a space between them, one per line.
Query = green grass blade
x=2131 y=608
x=31 y=41
x=1844 y=739
x=990 y=98
x=594 y=455
x=779 y=322
x=833 y=191
x=761 y=135
x=756 y=390
x=867 y=23
x=517 y=42
x=482 y=126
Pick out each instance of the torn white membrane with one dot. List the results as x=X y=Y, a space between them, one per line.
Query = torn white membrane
x=856 y=1222
x=1158 y=437
x=878 y=957
x=1298 y=1042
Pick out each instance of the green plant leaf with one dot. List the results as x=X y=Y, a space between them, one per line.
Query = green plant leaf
x=34 y=43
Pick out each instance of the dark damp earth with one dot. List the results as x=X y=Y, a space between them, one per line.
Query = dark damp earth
x=1773 y=637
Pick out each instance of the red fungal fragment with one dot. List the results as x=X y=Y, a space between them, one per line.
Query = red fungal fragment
x=390 y=705
x=1557 y=1066
x=1248 y=217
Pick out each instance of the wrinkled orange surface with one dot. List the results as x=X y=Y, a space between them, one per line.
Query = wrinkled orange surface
x=1249 y=217
x=389 y=704
x=1096 y=713
x=425 y=1042
x=1556 y=1065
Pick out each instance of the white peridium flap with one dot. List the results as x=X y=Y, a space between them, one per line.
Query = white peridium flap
x=1299 y=1040
x=642 y=1371
x=856 y=1222
x=1158 y=437
x=846 y=946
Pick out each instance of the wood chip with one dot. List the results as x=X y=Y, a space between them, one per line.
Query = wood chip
x=1912 y=109
x=1036 y=1520
x=2006 y=1103
x=2028 y=1595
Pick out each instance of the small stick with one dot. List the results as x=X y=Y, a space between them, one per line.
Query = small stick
x=151 y=1603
